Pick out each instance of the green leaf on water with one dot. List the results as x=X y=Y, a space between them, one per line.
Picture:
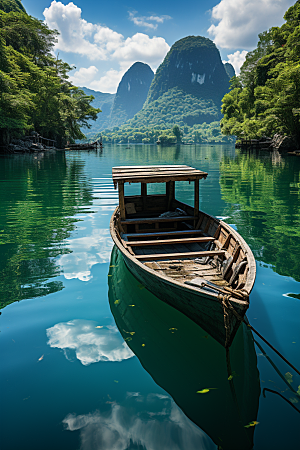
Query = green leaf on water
x=298 y=392
x=289 y=377
x=204 y=391
x=116 y=381
x=117 y=302
x=294 y=400
x=131 y=305
x=128 y=339
x=252 y=424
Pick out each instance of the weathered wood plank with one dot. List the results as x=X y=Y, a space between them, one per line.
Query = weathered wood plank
x=122 y=201
x=179 y=255
x=163 y=233
x=170 y=241
x=157 y=220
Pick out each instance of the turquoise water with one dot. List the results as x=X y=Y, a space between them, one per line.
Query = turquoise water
x=72 y=375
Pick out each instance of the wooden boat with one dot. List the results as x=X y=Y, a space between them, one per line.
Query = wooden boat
x=189 y=259
x=183 y=359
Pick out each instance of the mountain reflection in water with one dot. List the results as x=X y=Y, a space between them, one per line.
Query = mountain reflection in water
x=183 y=360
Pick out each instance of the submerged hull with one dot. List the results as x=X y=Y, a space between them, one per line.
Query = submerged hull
x=183 y=360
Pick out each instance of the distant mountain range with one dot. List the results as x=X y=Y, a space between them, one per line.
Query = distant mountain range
x=187 y=89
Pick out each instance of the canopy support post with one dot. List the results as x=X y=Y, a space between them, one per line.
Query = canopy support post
x=170 y=193
x=196 y=201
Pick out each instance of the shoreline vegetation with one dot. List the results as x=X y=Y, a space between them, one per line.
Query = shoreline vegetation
x=264 y=99
x=35 y=93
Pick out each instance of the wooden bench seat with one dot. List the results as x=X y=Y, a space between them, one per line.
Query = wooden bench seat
x=183 y=240
x=160 y=256
x=156 y=220
x=161 y=233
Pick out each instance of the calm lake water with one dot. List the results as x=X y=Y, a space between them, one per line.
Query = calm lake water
x=91 y=360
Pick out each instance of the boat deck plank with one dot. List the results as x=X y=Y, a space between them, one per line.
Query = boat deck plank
x=157 y=257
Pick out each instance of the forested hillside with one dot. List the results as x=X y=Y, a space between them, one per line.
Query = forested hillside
x=265 y=98
x=35 y=93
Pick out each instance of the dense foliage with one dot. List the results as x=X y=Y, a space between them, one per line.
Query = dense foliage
x=265 y=98
x=35 y=93
x=199 y=133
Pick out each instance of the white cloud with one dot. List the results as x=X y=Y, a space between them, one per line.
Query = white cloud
x=147 y=22
x=83 y=76
x=90 y=344
x=152 y=423
x=108 y=82
x=98 y=42
x=237 y=59
x=240 y=21
x=74 y=31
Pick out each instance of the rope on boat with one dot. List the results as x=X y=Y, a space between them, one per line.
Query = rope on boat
x=226 y=304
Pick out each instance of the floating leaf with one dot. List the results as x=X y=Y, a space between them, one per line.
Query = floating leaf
x=233 y=374
x=109 y=275
x=119 y=281
x=99 y=326
x=289 y=377
x=170 y=329
x=40 y=359
x=143 y=345
x=252 y=424
x=204 y=391
x=294 y=400
x=117 y=302
x=116 y=381
x=129 y=332
x=128 y=338
x=131 y=305
x=298 y=392
x=112 y=266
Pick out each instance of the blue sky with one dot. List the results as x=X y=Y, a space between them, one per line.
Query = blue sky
x=102 y=39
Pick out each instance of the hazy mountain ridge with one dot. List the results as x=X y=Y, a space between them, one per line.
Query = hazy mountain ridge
x=104 y=101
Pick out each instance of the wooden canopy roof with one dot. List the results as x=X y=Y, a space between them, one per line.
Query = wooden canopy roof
x=155 y=174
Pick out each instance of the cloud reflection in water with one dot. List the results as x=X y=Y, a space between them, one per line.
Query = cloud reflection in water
x=90 y=344
x=86 y=252
x=145 y=423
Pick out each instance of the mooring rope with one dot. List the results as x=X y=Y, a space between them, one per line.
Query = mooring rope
x=224 y=299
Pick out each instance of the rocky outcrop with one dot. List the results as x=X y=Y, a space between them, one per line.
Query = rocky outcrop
x=194 y=66
x=283 y=143
x=229 y=70
x=132 y=93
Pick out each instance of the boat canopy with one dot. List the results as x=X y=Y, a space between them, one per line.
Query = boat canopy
x=155 y=174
